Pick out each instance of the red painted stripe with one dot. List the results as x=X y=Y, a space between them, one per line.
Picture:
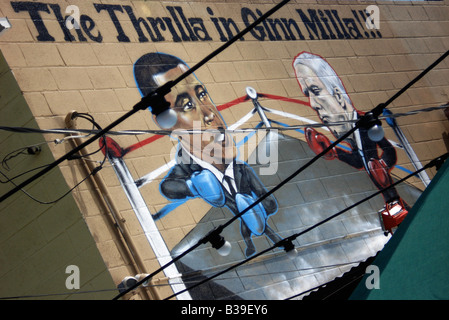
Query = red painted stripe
x=220 y=108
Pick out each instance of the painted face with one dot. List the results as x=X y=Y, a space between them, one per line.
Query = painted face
x=195 y=111
x=331 y=107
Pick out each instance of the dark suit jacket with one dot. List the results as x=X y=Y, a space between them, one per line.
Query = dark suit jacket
x=370 y=149
x=174 y=185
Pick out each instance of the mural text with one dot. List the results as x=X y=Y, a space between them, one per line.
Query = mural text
x=309 y=24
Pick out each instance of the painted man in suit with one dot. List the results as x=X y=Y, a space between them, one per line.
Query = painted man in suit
x=328 y=97
x=206 y=164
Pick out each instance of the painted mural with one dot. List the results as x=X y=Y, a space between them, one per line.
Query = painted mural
x=234 y=140
x=206 y=166
x=212 y=161
x=328 y=97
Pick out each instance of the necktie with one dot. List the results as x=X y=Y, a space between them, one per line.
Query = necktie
x=228 y=180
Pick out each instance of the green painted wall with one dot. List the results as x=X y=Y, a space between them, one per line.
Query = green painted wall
x=38 y=241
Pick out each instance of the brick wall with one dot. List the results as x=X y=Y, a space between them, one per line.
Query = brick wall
x=90 y=70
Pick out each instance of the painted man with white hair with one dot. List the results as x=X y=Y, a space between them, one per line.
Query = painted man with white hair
x=327 y=96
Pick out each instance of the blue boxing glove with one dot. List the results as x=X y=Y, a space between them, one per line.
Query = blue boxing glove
x=205 y=185
x=256 y=217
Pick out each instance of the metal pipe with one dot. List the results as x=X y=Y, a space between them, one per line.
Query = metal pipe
x=109 y=205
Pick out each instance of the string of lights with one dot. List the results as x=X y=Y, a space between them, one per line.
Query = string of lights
x=87 y=132
x=369 y=120
x=157 y=102
x=31 y=296
x=156 y=99
x=437 y=162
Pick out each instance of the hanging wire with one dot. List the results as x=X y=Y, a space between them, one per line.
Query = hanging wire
x=33 y=296
x=437 y=162
x=28 y=150
x=360 y=123
x=153 y=97
x=219 y=229
x=57 y=199
x=30 y=296
x=87 y=132
x=98 y=168
x=22 y=174
x=324 y=285
x=160 y=92
x=36 y=149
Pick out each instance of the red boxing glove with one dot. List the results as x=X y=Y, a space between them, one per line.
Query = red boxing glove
x=319 y=142
x=379 y=171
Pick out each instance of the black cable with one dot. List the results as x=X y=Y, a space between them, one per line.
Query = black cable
x=60 y=197
x=324 y=285
x=29 y=150
x=242 y=130
x=85 y=131
x=55 y=294
x=437 y=162
x=90 y=118
x=364 y=121
x=95 y=171
x=220 y=228
x=23 y=173
x=154 y=98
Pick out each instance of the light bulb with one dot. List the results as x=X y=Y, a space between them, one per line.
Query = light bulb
x=290 y=249
x=376 y=133
x=141 y=276
x=219 y=243
x=128 y=282
x=167 y=118
x=225 y=249
x=291 y=254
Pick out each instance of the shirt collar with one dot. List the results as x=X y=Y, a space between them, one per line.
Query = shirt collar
x=229 y=172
